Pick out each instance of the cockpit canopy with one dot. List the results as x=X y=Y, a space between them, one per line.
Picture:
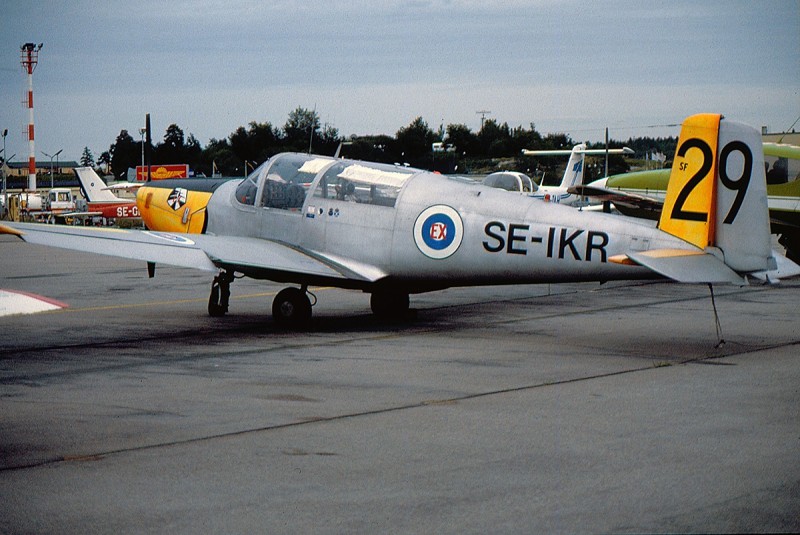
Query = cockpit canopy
x=285 y=180
x=510 y=181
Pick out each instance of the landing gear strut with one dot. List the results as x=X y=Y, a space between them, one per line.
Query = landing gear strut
x=220 y=294
x=291 y=308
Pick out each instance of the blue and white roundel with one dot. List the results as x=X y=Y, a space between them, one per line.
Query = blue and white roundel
x=438 y=231
x=169 y=237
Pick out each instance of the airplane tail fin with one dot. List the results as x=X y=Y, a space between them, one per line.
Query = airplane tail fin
x=717 y=193
x=573 y=173
x=93 y=187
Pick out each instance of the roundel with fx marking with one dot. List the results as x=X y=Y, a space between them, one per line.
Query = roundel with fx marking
x=438 y=231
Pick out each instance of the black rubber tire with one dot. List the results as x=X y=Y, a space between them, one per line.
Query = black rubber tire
x=389 y=305
x=291 y=308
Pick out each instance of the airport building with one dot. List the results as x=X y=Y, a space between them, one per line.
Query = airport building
x=42 y=168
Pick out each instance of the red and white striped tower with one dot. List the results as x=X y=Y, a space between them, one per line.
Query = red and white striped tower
x=29 y=58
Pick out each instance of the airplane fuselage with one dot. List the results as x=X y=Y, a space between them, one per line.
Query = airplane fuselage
x=440 y=232
x=114 y=209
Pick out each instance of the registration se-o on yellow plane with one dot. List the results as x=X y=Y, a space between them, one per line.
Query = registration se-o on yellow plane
x=393 y=231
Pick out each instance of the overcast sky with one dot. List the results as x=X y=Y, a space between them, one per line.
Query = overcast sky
x=372 y=66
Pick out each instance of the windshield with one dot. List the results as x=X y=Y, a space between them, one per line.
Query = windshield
x=284 y=181
x=246 y=191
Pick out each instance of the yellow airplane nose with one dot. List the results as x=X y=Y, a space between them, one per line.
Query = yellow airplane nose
x=173 y=206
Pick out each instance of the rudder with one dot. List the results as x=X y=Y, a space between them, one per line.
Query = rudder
x=717 y=197
x=573 y=173
x=93 y=187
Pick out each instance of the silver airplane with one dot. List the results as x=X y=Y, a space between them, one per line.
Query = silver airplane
x=393 y=231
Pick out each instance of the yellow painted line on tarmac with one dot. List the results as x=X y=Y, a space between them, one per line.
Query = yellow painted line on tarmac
x=123 y=306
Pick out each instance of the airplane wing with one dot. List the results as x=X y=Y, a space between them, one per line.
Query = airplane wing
x=123 y=187
x=254 y=257
x=627 y=203
x=81 y=214
x=781 y=150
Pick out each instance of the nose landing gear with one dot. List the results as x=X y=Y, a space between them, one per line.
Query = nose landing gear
x=220 y=294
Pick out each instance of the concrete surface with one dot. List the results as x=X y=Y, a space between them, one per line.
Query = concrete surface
x=577 y=408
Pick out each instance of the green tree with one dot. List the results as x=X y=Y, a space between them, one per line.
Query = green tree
x=495 y=139
x=192 y=152
x=172 y=149
x=415 y=142
x=522 y=139
x=218 y=159
x=371 y=149
x=463 y=139
x=327 y=142
x=299 y=128
x=255 y=144
x=557 y=141
x=87 y=158
x=124 y=155
x=104 y=159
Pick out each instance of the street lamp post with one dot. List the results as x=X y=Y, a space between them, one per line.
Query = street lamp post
x=5 y=178
x=54 y=156
x=5 y=164
x=58 y=167
x=142 y=132
x=51 y=168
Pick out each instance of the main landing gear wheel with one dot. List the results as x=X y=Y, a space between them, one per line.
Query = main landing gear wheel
x=220 y=295
x=291 y=308
x=389 y=305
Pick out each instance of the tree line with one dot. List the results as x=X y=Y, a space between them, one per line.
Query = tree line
x=455 y=148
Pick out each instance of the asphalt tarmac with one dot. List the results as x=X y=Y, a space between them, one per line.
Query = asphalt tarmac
x=574 y=408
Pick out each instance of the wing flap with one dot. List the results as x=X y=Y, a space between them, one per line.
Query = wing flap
x=258 y=254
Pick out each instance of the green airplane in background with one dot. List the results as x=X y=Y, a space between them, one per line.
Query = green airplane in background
x=641 y=193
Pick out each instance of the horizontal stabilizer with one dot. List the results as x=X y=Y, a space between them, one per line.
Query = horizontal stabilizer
x=786 y=269
x=686 y=266
x=590 y=152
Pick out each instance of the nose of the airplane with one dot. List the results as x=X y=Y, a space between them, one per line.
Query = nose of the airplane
x=177 y=205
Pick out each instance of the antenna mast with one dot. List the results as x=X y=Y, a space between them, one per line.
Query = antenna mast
x=483 y=114
x=29 y=58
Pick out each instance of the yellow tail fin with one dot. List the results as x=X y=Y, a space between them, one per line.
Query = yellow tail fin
x=689 y=207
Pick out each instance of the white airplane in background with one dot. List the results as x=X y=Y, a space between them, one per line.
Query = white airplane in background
x=561 y=194
x=573 y=173
x=101 y=200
